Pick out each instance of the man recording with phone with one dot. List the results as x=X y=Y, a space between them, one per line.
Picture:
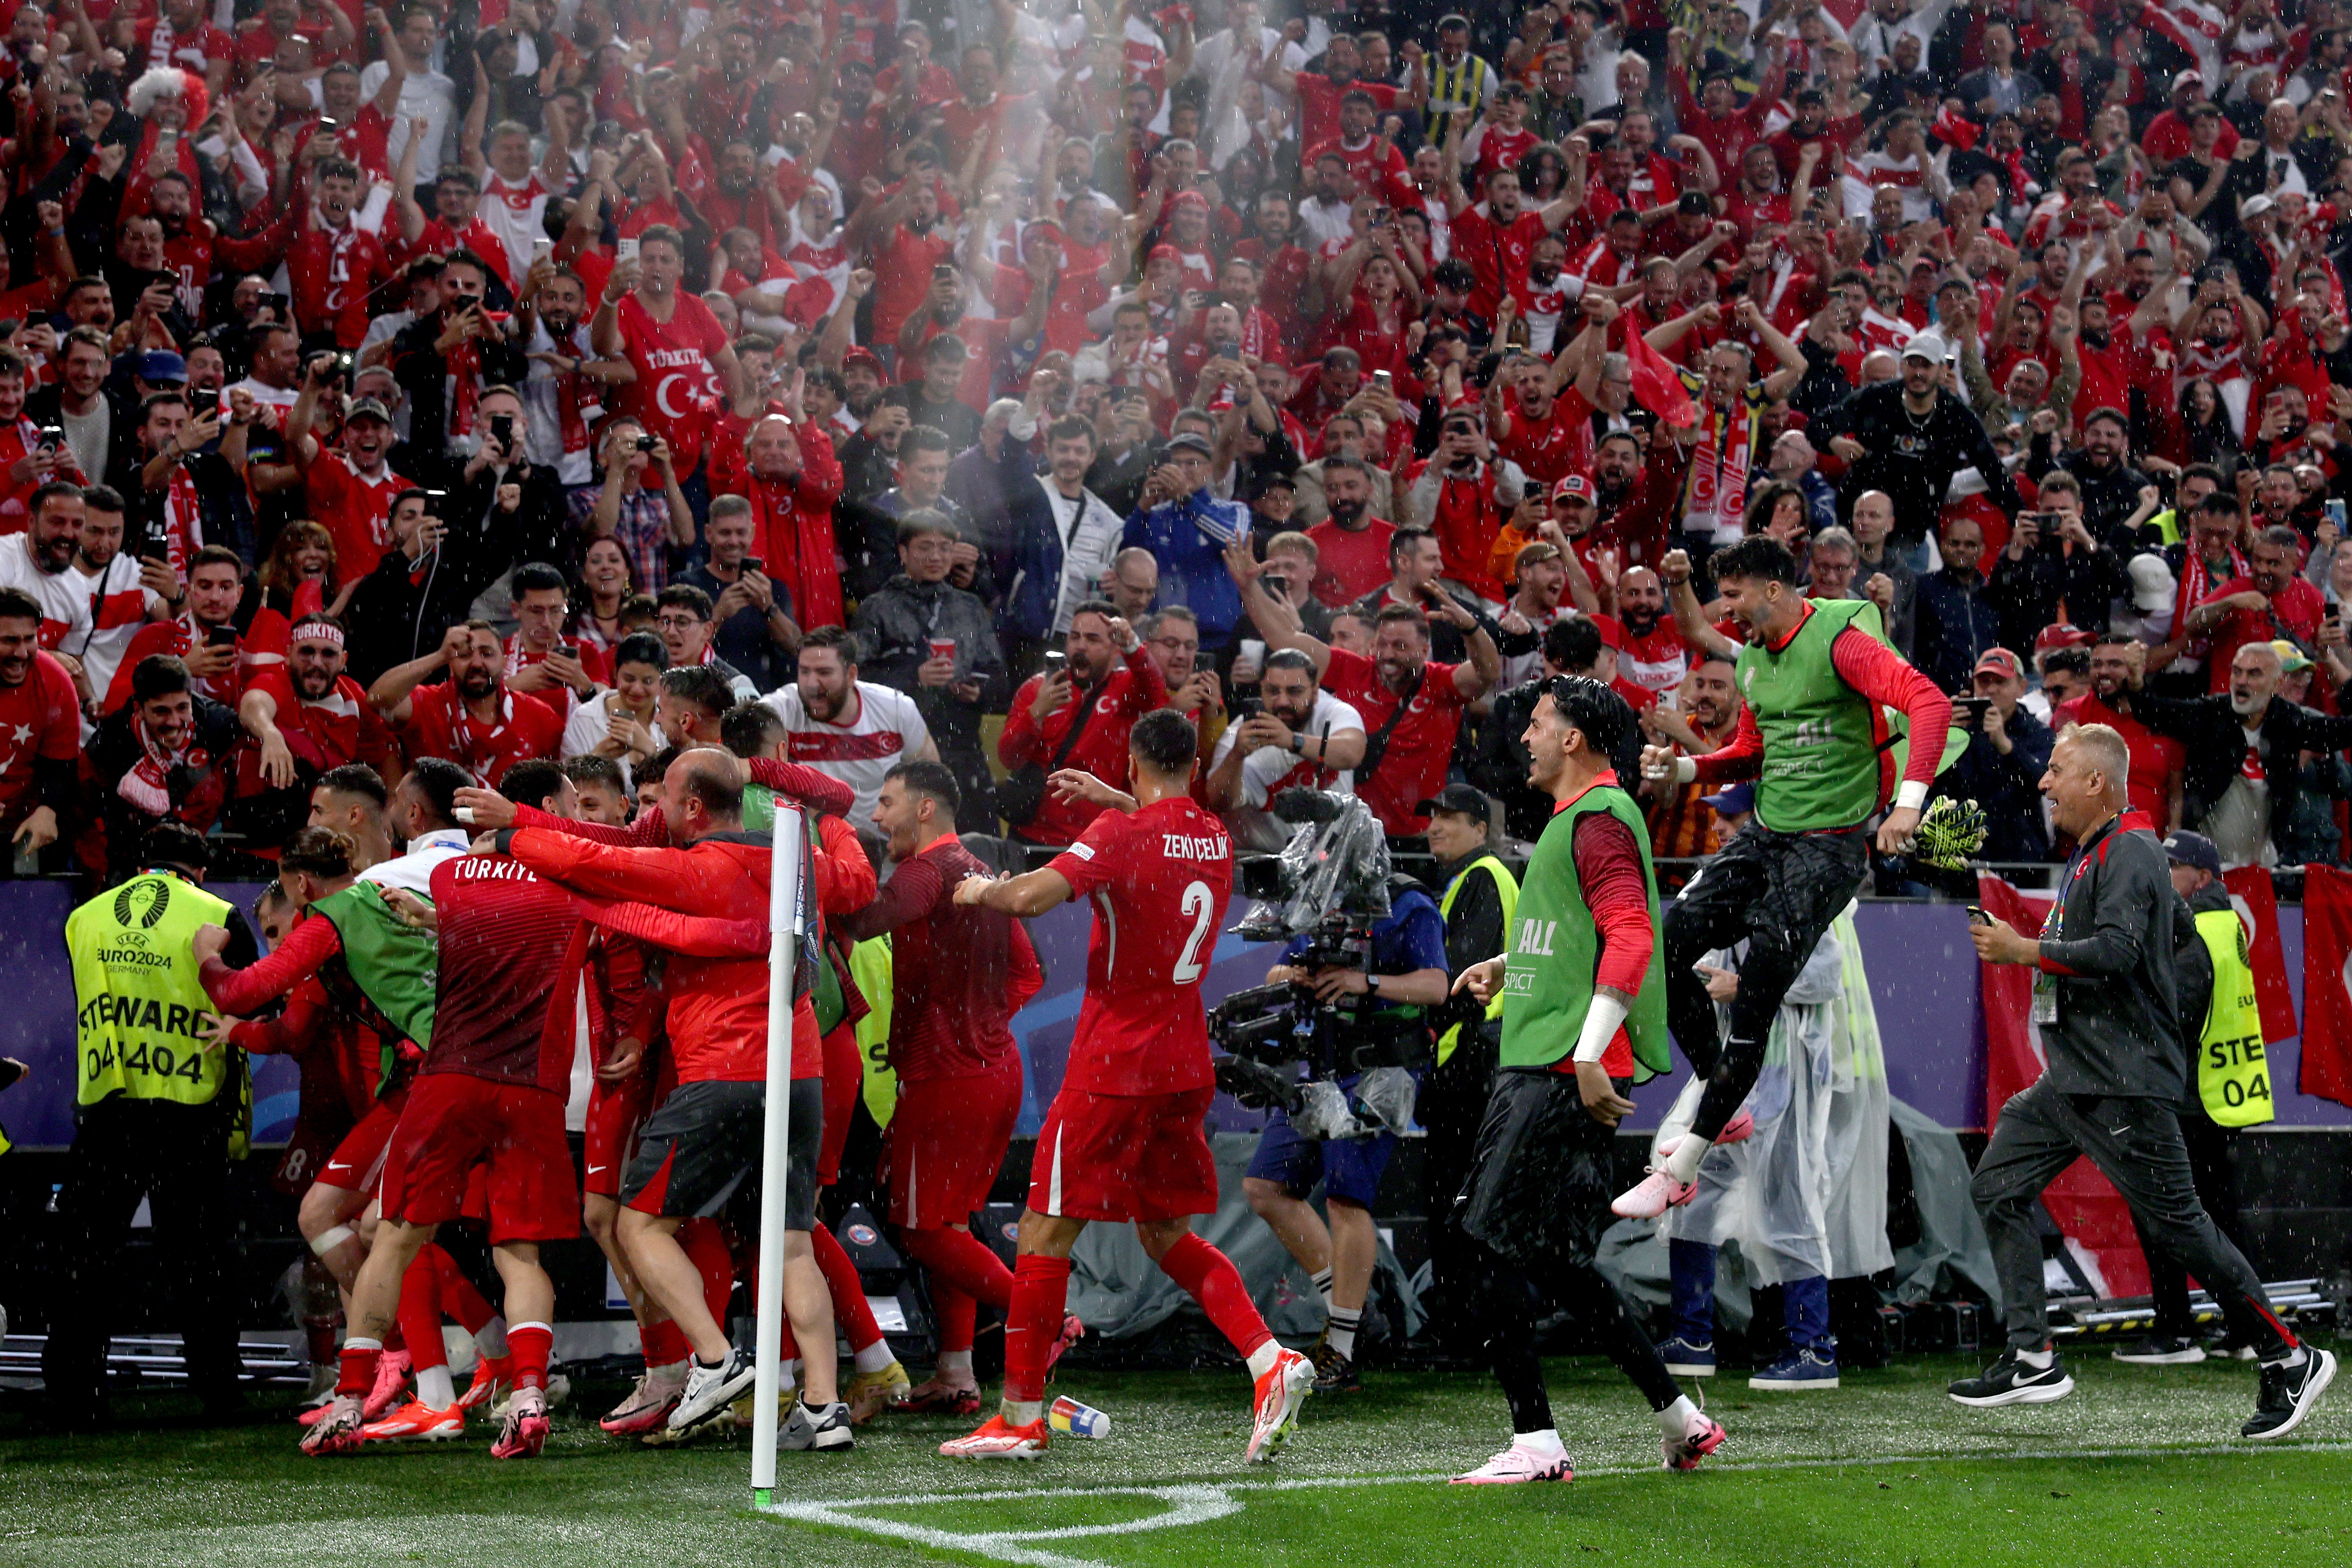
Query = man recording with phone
x=2008 y=749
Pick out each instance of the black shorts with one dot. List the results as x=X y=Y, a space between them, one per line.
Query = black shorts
x=1763 y=882
x=1543 y=1174
x=702 y=1147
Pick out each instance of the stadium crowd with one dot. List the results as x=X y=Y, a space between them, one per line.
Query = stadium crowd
x=391 y=403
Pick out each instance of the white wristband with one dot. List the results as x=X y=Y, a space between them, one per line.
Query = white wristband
x=1910 y=795
x=1601 y=1021
x=1686 y=770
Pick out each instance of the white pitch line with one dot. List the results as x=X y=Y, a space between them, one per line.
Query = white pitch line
x=1203 y=1502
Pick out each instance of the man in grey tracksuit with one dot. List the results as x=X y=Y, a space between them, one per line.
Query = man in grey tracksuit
x=2104 y=1005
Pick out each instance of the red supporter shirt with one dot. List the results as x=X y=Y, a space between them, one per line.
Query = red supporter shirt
x=902 y=275
x=677 y=387
x=355 y=510
x=40 y=720
x=2155 y=759
x=511 y=950
x=333 y=273
x=1497 y=253
x=439 y=726
x=1160 y=878
x=2297 y=612
x=1133 y=691
x=1656 y=661
x=1350 y=565
x=957 y=974
x=342 y=728
x=1318 y=104
x=1420 y=746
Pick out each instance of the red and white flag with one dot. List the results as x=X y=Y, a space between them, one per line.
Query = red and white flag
x=2326 y=1068
x=2256 y=901
x=2088 y=1212
x=2195 y=26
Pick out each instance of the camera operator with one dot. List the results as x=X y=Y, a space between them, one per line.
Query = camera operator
x=1404 y=978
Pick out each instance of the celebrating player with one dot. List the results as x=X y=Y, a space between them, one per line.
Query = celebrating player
x=1816 y=675
x=1123 y=1140
x=1581 y=991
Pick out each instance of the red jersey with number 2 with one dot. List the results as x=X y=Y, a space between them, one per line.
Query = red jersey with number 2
x=1160 y=878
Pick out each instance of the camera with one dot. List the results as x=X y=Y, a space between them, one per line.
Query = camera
x=1325 y=891
x=645 y=443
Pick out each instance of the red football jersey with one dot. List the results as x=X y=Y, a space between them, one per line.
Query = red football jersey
x=511 y=947
x=1159 y=878
x=677 y=389
x=355 y=510
x=439 y=726
x=40 y=717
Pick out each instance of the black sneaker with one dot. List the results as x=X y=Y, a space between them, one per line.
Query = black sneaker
x=1334 y=1372
x=2010 y=1381
x=2161 y=1349
x=2288 y=1393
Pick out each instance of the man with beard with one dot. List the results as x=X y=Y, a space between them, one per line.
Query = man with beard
x=335 y=266
x=121 y=596
x=2269 y=601
x=684 y=363
x=903 y=625
x=1301 y=738
x=1497 y=241
x=1342 y=436
x=308 y=718
x=1654 y=656
x=1909 y=437
x=201 y=632
x=1540 y=578
x=2111 y=486
x=1682 y=825
x=37 y=562
x=847 y=729
x=906 y=238
x=1059 y=538
x=563 y=394
x=100 y=426
x=1815 y=674
x=2156 y=761
x=163 y=756
x=1078 y=716
x=470 y=718
x=1351 y=545
x=349 y=491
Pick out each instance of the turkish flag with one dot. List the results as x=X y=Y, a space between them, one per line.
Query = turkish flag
x=2086 y=1209
x=1656 y=384
x=2252 y=895
x=2327 y=985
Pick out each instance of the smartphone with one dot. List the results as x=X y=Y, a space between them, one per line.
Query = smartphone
x=502 y=429
x=542 y=249
x=327 y=124
x=1384 y=381
x=753 y=564
x=941 y=272
x=2335 y=509
x=1276 y=584
x=1977 y=916
x=1968 y=713
x=1056 y=661
x=1204 y=662
x=221 y=636
x=627 y=251
x=570 y=650
x=53 y=435
x=11 y=1070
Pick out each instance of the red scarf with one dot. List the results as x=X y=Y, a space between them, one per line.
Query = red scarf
x=471 y=739
x=2196 y=586
x=184 y=523
x=148 y=785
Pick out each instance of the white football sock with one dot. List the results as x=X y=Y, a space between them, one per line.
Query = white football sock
x=435 y=1390
x=492 y=1339
x=2038 y=1359
x=1676 y=1418
x=1343 y=1326
x=1545 y=1444
x=1683 y=1163
x=874 y=1357
x=1261 y=1360
x=1021 y=1412
x=1322 y=1283
x=952 y=1361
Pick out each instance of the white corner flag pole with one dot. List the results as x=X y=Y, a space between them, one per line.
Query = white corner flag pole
x=787 y=915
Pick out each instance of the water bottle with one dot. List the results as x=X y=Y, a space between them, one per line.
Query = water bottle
x=1079 y=1420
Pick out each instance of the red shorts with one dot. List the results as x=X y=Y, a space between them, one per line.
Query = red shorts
x=945 y=1144
x=357 y=1162
x=513 y=1133
x=1124 y=1156
x=844 y=1079
x=616 y=1111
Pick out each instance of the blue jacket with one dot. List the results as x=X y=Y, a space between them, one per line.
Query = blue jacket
x=1192 y=564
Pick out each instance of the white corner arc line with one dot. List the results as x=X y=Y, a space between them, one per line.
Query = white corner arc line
x=1192 y=1505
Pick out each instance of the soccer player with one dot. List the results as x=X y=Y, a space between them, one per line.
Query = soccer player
x=1817 y=676
x=703 y=1143
x=489 y=1099
x=1123 y=1140
x=1583 y=1019
x=958 y=975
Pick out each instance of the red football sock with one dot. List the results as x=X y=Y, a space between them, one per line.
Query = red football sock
x=1041 y=1287
x=420 y=1311
x=459 y=1298
x=957 y=1314
x=531 y=1344
x=356 y=1376
x=962 y=1261
x=706 y=1247
x=848 y=1291
x=664 y=1342
x=1210 y=1278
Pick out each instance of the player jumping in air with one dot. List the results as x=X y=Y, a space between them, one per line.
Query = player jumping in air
x=1816 y=676
x=1123 y=1140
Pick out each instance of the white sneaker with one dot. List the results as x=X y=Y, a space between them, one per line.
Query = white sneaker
x=827 y=1430
x=710 y=1389
x=1654 y=1196
x=1515 y=1464
x=649 y=1403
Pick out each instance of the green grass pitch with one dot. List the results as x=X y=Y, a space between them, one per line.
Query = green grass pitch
x=2141 y=1467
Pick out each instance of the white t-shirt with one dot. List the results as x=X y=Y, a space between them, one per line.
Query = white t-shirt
x=64 y=596
x=414 y=870
x=587 y=729
x=889 y=730
x=517 y=214
x=125 y=604
x=1270 y=769
x=425 y=92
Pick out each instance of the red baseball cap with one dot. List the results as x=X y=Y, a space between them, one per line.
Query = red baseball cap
x=1575 y=487
x=1167 y=251
x=2002 y=662
x=2058 y=635
x=861 y=355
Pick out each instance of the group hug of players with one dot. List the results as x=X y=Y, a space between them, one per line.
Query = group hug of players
x=473 y=950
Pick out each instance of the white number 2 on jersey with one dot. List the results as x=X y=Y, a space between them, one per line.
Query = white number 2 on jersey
x=1197 y=898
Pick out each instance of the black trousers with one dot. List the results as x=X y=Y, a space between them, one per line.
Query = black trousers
x=2216 y=1177
x=1777 y=892
x=2136 y=1144
x=177 y=1158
